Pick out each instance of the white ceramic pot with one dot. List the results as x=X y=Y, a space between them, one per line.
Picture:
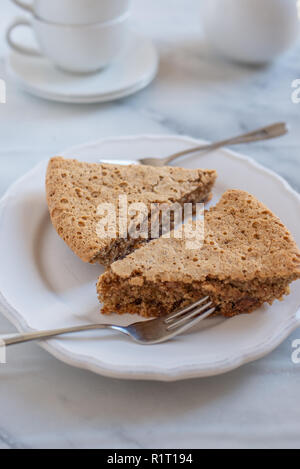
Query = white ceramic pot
x=77 y=49
x=76 y=11
x=253 y=31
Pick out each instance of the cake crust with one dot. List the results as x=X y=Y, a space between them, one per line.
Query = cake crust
x=75 y=189
x=248 y=258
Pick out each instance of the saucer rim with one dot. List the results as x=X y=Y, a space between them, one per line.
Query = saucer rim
x=103 y=97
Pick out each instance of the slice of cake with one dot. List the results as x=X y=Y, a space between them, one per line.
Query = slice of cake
x=76 y=190
x=248 y=258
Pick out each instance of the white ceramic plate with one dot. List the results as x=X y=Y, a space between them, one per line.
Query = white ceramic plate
x=43 y=284
x=132 y=72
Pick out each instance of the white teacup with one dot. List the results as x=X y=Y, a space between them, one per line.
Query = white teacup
x=77 y=49
x=75 y=11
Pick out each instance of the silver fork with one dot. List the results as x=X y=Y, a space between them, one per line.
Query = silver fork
x=265 y=133
x=149 y=332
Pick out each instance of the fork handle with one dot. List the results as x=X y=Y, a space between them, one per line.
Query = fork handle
x=265 y=133
x=31 y=336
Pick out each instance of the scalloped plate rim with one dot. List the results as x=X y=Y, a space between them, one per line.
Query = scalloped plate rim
x=181 y=372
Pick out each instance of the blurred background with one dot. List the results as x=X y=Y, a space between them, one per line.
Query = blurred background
x=195 y=93
x=199 y=93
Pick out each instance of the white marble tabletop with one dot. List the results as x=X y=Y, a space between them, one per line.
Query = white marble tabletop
x=47 y=404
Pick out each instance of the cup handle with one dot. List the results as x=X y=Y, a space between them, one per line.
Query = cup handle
x=17 y=47
x=24 y=5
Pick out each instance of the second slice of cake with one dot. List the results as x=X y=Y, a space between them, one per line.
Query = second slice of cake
x=248 y=258
x=76 y=190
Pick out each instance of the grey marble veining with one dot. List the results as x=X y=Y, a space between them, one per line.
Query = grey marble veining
x=44 y=403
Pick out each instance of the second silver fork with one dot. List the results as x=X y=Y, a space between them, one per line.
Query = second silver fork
x=150 y=332
x=265 y=133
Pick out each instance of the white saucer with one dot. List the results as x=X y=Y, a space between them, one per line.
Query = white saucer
x=43 y=285
x=133 y=71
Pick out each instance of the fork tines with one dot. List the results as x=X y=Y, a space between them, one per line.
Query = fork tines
x=190 y=315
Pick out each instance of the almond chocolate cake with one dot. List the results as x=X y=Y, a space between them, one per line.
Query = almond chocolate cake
x=75 y=190
x=248 y=258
